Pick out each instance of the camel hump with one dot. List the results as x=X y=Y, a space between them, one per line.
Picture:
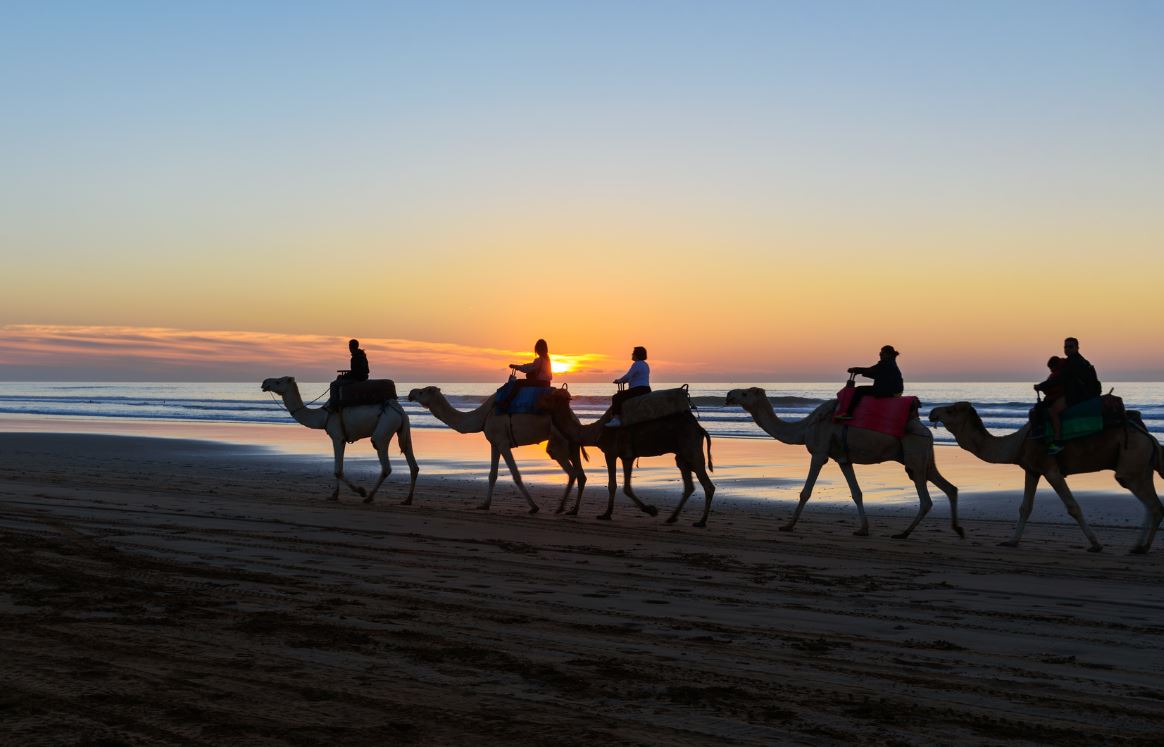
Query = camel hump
x=355 y=393
x=658 y=404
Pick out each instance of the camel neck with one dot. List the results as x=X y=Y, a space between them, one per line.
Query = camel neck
x=988 y=447
x=785 y=432
x=461 y=422
x=312 y=417
x=566 y=421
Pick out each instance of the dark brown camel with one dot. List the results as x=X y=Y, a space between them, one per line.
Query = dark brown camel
x=1130 y=450
x=679 y=434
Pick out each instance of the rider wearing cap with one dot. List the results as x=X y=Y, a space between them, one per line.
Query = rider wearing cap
x=887 y=381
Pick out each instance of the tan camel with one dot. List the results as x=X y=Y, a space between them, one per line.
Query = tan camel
x=1131 y=451
x=825 y=439
x=380 y=422
x=679 y=434
x=504 y=432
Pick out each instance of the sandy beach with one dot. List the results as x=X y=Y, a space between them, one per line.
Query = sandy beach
x=161 y=591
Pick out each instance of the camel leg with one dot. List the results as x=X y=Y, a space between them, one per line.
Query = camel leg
x=951 y=492
x=494 y=457
x=1145 y=492
x=338 y=446
x=814 y=468
x=708 y=493
x=1060 y=485
x=688 y=489
x=381 y=448
x=1029 y=486
x=611 y=485
x=858 y=497
x=925 y=503
x=513 y=471
x=404 y=437
x=573 y=468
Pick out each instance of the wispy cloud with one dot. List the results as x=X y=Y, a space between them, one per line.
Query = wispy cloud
x=134 y=353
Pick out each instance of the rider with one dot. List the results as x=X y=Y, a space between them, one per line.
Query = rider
x=638 y=381
x=359 y=364
x=1077 y=379
x=887 y=381
x=538 y=372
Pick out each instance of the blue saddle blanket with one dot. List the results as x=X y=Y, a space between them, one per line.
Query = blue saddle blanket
x=513 y=400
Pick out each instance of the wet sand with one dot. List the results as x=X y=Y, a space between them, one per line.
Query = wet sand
x=177 y=592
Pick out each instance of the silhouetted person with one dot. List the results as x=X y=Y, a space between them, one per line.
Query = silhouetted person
x=638 y=381
x=1078 y=381
x=1052 y=388
x=359 y=365
x=538 y=372
x=887 y=381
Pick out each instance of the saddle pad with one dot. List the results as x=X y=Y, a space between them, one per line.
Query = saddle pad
x=523 y=402
x=882 y=414
x=655 y=405
x=371 y=392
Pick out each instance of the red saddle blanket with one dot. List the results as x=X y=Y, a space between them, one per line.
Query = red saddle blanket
x=883 y=414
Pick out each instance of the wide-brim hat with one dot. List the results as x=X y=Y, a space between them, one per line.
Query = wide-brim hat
x=889 y=349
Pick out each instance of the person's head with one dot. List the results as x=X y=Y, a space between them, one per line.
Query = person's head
x=541 y=348
x=888 y=353
x=639 y=353
x=1053 y=362
x=1070 y=345
x=353 y=345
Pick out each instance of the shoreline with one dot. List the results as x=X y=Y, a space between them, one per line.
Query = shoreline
x=748 y=471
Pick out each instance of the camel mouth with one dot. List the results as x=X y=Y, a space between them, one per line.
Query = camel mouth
x=934 y=416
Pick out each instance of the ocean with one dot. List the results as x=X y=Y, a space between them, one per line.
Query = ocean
x=1002 y=405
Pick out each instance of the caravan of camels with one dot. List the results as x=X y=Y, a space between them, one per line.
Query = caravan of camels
x=1070 y=432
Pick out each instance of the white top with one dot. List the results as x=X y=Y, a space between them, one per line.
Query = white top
x=639 y=374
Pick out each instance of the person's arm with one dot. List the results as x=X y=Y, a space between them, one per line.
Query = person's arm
x=869 y=373
x=525 y=367
x=626 y=376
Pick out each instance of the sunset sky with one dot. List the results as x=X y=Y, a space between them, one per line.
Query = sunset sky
x=755 y=191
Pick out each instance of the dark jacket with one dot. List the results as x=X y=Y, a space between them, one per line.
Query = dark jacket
x=359 y=368
x=1078 y=378
x=887 y=381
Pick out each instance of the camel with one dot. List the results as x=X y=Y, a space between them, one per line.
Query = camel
x=679 y=434
x=1131 y=451
x=826 y=439
x=504 y=432
x=380 y=422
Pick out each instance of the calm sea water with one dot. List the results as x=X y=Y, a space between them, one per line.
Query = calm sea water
x=1003 y=406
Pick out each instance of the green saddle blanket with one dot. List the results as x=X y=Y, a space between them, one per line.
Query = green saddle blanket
x=1077 y=421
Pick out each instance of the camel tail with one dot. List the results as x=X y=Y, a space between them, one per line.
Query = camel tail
x=710 y=464
x=584 y=454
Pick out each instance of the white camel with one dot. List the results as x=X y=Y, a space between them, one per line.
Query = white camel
x=380 y=422
x=826 y=440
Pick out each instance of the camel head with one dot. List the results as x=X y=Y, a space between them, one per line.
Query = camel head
x=746 y=398
x=555 y=399
x=955 y=415
x=424 y=396
x=280 y=386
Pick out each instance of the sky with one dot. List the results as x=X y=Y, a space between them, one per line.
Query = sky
x=754 y=191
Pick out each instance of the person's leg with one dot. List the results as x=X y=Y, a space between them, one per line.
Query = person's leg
x=858 y=393
x=1055 y=410
x=617 y=400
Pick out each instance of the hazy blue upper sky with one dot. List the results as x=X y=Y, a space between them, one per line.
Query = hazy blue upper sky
x=222 y=165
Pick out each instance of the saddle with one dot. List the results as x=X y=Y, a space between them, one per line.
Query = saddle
x=655 y=405
x=356 y=393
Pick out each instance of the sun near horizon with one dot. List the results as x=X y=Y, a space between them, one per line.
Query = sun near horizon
x=769 y=193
